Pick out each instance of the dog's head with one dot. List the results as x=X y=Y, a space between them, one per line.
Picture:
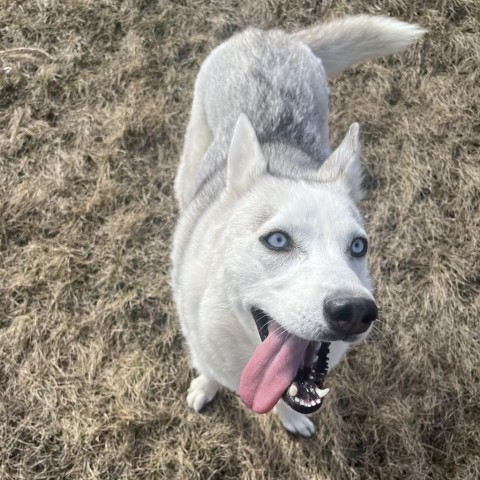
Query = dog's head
x=296 y=249
x=296 y=264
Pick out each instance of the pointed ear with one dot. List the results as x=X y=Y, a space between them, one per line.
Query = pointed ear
x=245 y=158
x=343 y=165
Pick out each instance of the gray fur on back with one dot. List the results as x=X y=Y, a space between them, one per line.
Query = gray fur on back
x=281 y=87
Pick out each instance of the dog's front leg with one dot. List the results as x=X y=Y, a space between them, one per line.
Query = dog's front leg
x=294 y=422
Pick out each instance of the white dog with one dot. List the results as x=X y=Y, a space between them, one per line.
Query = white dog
x=269 y=254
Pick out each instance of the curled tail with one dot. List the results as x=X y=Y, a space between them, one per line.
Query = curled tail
x=344 y=42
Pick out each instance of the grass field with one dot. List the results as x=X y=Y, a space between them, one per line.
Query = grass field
x=94 y=100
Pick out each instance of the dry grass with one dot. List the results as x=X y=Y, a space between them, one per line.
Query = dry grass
x=94 y=98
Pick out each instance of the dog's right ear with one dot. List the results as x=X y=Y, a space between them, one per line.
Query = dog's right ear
x=343 y=165
x=245 y=158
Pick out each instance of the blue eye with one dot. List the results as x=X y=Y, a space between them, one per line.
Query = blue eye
x=359 y=247
x=277 y=241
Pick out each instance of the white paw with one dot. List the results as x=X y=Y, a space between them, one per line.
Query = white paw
x=201 y=391
x=293 y=421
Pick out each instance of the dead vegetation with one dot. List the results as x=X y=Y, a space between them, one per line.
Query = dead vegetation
x=94 y=99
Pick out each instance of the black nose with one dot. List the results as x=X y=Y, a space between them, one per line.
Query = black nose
x=350 y=314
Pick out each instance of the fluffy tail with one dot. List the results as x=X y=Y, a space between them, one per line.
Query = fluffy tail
x=350 y=40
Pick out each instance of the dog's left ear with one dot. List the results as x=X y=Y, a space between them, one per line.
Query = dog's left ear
x=245 y=158
x=343 y=165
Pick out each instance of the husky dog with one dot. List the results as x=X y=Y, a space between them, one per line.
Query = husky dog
x=269 y=254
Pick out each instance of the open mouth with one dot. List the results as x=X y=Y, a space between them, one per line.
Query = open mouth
x=284 y=366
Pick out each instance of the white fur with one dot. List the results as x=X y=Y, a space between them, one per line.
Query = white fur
x=344 y=164
x=245 y=158
x=221 y=268
x=346 y=41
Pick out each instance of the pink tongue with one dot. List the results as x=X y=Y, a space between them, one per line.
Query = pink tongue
x=271 y=369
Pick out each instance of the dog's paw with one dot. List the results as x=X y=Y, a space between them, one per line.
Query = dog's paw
x=201 y=391
x=294 y=422
x=299 y=424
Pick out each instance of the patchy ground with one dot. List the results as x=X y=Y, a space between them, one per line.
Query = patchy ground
x=94 y=99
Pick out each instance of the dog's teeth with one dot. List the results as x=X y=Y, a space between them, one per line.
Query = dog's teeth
x=318 y=401
x=293 y=390
x=297 y=399
x=315 y=358
x=321 y=392
x=310 y=377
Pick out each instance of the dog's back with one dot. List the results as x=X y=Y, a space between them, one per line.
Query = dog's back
x=281 y=87
x=277 y=80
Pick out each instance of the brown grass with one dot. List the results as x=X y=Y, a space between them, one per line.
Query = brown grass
x=94 y=99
